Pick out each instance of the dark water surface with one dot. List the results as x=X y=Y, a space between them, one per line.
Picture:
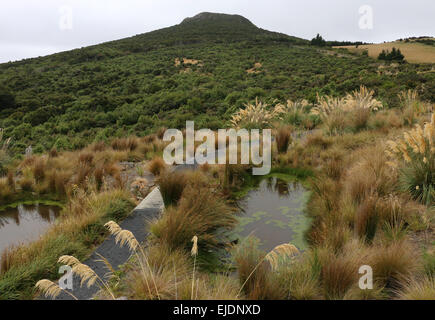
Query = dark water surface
x=25 y=223
x=274 y=213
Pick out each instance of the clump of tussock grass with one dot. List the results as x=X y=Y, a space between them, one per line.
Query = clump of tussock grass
x=371 y=174
x=171 y=186
x=38 y=169
x=171 y=270
x=339 y=271
x=125 y=144
x=393 y=263
x=283 y=138
x=98 y=146
x=201 y=212
x=298 y=278
x=157 y=166
x=53 y=153
x=385 y=120
x=86 y=158
x=257 y=282
x=422 y=288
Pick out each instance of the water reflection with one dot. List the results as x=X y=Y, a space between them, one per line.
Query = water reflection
x=25 y=223
x=274 y=213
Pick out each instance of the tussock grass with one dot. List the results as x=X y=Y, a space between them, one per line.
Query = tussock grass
x=419 y=289
x=254 y=273
x=283 y=138
x=157 y=166
x=125 y=144
x=171 y=186
x=200 y=212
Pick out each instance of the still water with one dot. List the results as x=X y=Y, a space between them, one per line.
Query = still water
x=25 y=223
x=274 y=213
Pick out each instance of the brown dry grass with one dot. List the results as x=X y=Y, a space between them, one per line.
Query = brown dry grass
x=413 y=52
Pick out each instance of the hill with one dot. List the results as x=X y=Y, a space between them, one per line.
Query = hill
x=204 y=68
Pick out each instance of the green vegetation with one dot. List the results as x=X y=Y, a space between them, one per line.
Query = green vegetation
x=394 y=55
x=135 y=86
x=333 y=115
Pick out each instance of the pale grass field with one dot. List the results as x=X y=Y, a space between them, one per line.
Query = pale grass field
x=413 y=52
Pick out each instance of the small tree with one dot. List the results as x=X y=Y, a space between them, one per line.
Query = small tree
x=318 y=41
x=394 y=55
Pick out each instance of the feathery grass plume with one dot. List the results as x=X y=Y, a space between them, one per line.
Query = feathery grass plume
x=256 y=116
x=126 y=237
x=362 y=99
x=69 y=260
x=280 y=253
x=293 y=112
x=50 y=289
x=194 y=250
x=122 y=237
x=410 y=100
x=86 y=274
x=353 y=110
x=414 y=155
x=194 y=253
x=327 y=104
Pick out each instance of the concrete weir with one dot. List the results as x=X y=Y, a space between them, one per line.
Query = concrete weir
x=136 y=222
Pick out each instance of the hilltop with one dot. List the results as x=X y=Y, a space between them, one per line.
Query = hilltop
x=204 y=69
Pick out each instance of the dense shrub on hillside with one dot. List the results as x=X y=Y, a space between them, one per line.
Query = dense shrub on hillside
x=134 y=86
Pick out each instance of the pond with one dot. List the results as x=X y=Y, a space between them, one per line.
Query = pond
x=274 y=213
x=25 y=223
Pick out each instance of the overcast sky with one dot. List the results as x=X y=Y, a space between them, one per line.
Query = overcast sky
x=31 y=28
